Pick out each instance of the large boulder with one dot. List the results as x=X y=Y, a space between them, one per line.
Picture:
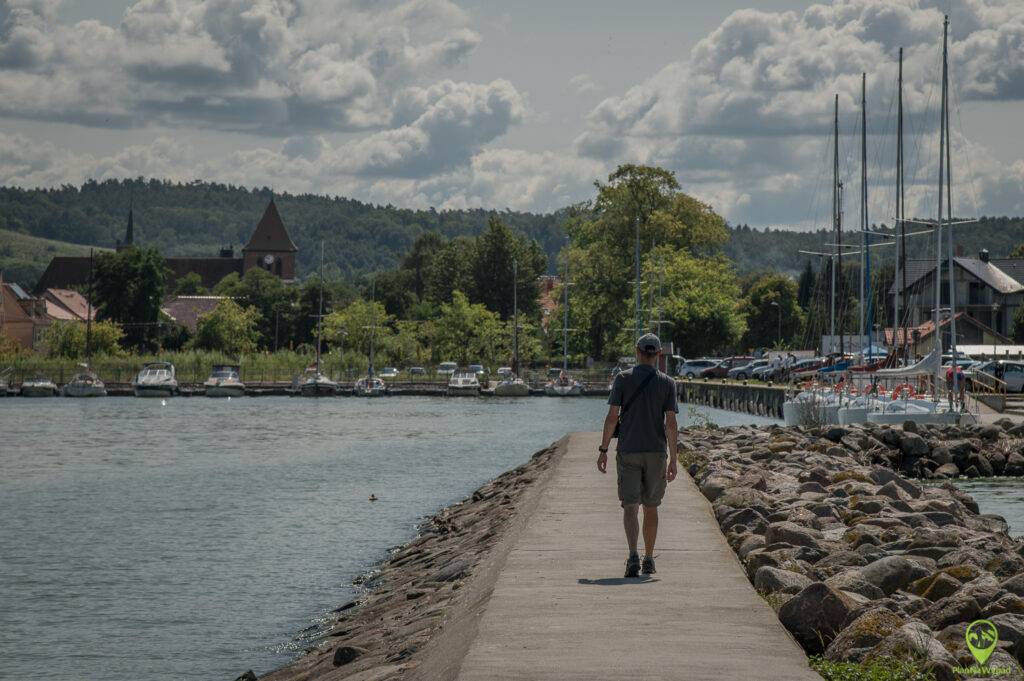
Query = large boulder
x=816 y=615
x=792 y=534
x=892 y=573
x=913 y=640
x=913 y=445
x=743 y=497
x=863 y=634
x=851 y=582
x=959 y=607
x=982 y=463
x=1014 y=464
x=769 y=580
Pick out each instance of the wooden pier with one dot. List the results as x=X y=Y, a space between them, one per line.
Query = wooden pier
x=757 y=399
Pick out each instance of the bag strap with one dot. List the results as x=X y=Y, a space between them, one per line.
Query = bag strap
x=636 y=393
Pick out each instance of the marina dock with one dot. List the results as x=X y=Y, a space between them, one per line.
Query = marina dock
x=561 y=610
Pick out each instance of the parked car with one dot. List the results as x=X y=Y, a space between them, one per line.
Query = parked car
x=762 y=373
x=721 y=369
x=417 y=371
x=745 y=371
x=692 y=368
x=447 y=368
x=802 y=367
x=389 y=372
x=554 y=372
x=504 y=372
x=1013 y=373
x=478 y=369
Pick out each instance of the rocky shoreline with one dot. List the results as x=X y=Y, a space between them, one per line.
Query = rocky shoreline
x=419 y=601
x=859 y=562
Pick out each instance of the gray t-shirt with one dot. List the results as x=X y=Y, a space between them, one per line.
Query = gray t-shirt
x=643 y=425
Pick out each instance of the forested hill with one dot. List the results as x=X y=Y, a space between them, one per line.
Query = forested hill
x=199 y=218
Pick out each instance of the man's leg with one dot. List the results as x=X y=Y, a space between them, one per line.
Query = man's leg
x=650 y=529
x=631 y=523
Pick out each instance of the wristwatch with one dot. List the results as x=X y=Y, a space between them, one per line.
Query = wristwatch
x=603 y=450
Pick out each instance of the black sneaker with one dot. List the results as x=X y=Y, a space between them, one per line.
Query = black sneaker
x=632 y=567
x=648 y=566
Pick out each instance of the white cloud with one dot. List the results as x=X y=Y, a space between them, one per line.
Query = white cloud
x=583 y=84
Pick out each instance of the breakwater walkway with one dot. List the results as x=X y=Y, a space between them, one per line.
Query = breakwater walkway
x=560 y=609
x=758 y=399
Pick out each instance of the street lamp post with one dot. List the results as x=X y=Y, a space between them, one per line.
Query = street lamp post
x=778 y=338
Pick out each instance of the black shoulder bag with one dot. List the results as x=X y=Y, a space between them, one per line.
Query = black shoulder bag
x=627 y=403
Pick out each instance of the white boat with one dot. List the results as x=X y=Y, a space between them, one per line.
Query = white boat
x=313 y=382
x=5 y=379
x=513 y=386
x=156 y=379
x=370 y=386
x=39 y=386
x=224 y=381
x=85 y=384
x=564 y=386
x=464 y=383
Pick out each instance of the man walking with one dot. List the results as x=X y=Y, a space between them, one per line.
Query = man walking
x=643 y=405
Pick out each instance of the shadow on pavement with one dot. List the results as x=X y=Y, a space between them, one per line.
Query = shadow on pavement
x=618 y=581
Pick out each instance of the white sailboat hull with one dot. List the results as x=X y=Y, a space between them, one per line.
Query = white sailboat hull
x=571 y=390
x=38 y=390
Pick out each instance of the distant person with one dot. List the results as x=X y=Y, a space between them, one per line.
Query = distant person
x=643 y=404
x=776 y=367
x=955 y=386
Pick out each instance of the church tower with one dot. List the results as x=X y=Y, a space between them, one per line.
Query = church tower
x=270 y=247
x=129 y=233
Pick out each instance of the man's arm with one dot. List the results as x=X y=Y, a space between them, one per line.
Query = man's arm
x=610 y=420
x=672 y=438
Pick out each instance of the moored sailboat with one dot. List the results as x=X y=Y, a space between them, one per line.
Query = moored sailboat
x=313 y=382
x=564 y=385
x=511 y=385
x=86 y=383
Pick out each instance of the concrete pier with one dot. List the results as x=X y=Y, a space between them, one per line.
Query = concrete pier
x=560 y=608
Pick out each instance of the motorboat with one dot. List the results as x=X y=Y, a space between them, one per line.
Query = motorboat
x=564 y=386
x=157 y=379
x=85 y=384
x=224 y=381
x=512 y=386
x=38 y=386
x=5 y=381
x=464 y=383
x=370 y=386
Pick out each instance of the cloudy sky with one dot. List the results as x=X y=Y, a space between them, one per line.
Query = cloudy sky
x=522 y=105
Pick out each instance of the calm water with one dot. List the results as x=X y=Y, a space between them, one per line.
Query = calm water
x=1002 y=496
x=198 y=539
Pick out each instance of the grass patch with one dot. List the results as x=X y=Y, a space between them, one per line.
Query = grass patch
x=881 y=669
x=23 y=258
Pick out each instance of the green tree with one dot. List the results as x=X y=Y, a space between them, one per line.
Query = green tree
x=451 y=269
x=67 y=339
x=420 y=258
x=228 y=328
x=492 y=277
x=1018 y=251
x=805 y=287
x=466 y=332
x=190 y=285
x=353 y=325
x=772 y=297
x=129 y=288
x=603 y=243
x=230 y=286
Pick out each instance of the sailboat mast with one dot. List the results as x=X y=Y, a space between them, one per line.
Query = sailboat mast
x=515 y=317
x=865 y=226
x=938 y=226
x=639 y=323
x=949 y=188
x=373 y=328
x=901 y=244
x=320 y=313
x=836 y=225
x=565 y=316
x=88 y=317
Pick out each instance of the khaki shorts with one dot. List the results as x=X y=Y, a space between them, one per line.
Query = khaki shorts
x=641 y=477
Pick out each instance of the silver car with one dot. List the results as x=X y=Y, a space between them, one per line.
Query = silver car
x=742 y=373
x=692 y=368
x=1013 y=373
